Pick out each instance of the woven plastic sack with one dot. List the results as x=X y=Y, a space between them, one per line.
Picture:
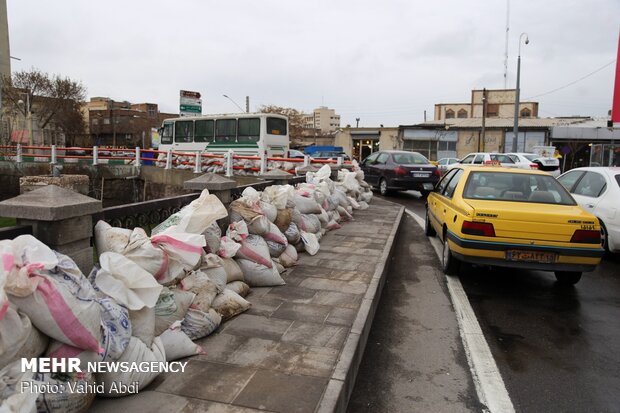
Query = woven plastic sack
x=311 y=243
x=239 y=287
x=307 y=205
x=171 y=307
x=65 y=401
x=212 y=234
x=289 y=257
x=292 y=234
x=233 y=271
x=199 y=283
x=254 y=248
x=177 y=344
x=12 y=398
x=275 y=235
x=19 y=338
x=229 y=304
x=198 y=324
x=258 y=275
x=108 y=238
x=194 y=218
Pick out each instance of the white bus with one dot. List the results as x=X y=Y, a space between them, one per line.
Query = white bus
x=245 y=133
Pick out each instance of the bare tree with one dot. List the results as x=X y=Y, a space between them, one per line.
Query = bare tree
x=55 y=101
x=295 y=118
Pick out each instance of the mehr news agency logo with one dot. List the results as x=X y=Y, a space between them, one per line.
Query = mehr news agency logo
x=72 y=366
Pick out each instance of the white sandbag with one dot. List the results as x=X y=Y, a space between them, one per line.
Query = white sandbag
x=309 y=223
x=254 y=248
x=177 y=344
x=311 y=243
x=12 y=398
x=171 y=307
x=19 y=338
x=198 y=324
x=228 y=248
x=275 y=249
x=300 y=246
x=108 y=238
x=143 y=324
x=212 y=234
x=22 y=259
x=65 y=401
x=148 y=256
x=341 y=197
x=323 y=218
x=63 y=304
x=278 y=195
x=212 y=265
x=137 y=352
x=344 y=213
x=366 y=196
x=353 y=203
x=292 y=234
x=233 y=271
x=199 y=283
x=229 y=304
x=275 y=235
x=289 y=257
x=259 y=225
x=123 y=280
x=258 y=275
x=194 y=218
x=363 y=205
x=237 y=231
x=279 y=267
x=239 y=287
x=284 y=218
x=184 y=253
x=270 y=211
x=307 y=205
x=332 y=224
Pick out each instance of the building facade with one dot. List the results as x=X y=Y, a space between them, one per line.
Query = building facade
x=361 y=142
x=494 y=103
x=322 y=119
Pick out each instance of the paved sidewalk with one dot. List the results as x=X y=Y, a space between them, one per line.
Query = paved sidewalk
x=299 y=347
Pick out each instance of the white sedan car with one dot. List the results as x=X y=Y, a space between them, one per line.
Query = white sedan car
x=597 y=190
x=533 y=161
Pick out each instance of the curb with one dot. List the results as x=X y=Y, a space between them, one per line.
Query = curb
x=341 y=383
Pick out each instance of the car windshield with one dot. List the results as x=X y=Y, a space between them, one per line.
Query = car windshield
x=531 y=157
x=409 y=159
x=516 y=187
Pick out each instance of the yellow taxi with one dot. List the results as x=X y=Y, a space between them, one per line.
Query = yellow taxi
x=507 y=217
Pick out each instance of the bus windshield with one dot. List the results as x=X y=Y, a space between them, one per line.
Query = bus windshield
x=276 y=126
x=166 y=135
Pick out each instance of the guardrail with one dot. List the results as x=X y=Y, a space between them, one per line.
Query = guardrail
x=12 y=232
x=167 y=159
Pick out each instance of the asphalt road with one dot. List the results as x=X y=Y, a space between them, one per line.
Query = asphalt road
x=557 y=349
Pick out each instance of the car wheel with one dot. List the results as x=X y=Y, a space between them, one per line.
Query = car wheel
x=604 y=237
x=449 y=264
x=428 y=227
x=383 y=187
x=568 y=277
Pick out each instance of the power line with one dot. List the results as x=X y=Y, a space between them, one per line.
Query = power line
x=573 y=82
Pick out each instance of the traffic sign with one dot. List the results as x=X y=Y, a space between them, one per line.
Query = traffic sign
x=191 y=108
x=190 y=94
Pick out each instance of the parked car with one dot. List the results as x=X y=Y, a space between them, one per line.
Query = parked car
x=482 y=158
x=331 y=155
x=513 y=217
x=550 y=165
x=597 y=190
x=400 y=171
x=443 y=163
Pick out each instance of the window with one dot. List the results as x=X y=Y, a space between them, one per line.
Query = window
x=276 y=126
x=383 y=157
x=249 y=130
x=166 y=134
x=592 y=185
x=204 y=131
x=461 y=114
x=226 y=130
x=501 y=158
x=479 y=159
x=516 y=187
x=448 y=192
x=442 y=184
x=409 y=159
x=427 y=148
x=184 y=131
x=526 y=113
x=569 y=179
x=446 y=146
x=492 y=110
x=449 y=114
x=468 y=159
x=371 y=159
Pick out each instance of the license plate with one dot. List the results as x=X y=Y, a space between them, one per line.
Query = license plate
x=420 y=175
x=531 y=256
x=428 y=186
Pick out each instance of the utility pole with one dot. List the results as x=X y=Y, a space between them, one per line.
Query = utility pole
x=484 y=115
x=247 y=104
x=357 y=122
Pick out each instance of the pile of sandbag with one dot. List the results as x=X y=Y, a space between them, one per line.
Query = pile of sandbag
x=150 y=297
x=217 y=165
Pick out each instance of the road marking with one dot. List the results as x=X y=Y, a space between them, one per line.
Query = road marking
x=485 y=374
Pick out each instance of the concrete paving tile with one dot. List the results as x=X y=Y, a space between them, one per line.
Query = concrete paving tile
x=207 y=381
x=144 y=402
x=316 y=335
x=354 y=287
x=338 y=299
x=347 y=256
x=335 y=274
x=369 y=252
x=342 y=316
x=220 y=346
x=257 y=292
x=292 y=294
x=279 y=392
x=250 y=325
x=199 y=406
x=303 y=312
x=292 y=278
x=264 y=306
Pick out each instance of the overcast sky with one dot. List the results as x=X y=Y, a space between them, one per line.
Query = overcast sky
x=385 y=62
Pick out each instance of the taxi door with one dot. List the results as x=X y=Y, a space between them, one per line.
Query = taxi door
x=438 y=202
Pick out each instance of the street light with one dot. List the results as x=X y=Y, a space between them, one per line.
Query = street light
x=27 y=116
x=229 y=98
x=515 y=131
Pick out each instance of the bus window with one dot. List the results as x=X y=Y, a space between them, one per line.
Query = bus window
x=249 y=130
x=184 y=131
x=226 y=130
x=204 y=131
x=276 y=126
x=166 y=136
